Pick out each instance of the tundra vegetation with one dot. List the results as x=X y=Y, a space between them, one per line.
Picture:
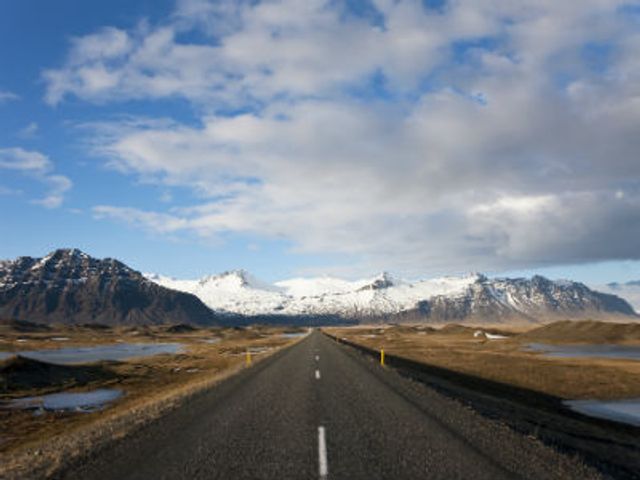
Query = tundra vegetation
x=150 y=385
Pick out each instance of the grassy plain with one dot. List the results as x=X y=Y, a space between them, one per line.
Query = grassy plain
x=457 y=348
x=151 y=385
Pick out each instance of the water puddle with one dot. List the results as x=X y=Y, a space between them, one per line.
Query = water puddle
x=251 y=350
x=67 y=401
x=293 y=335
x=120 y=351
x=629 y=352
x=625 y=411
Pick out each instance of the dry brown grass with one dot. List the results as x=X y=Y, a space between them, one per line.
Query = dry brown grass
x=152 y=386
x=504 y=361
x=587 y=331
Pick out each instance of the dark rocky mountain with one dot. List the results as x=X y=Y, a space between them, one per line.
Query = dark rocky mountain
x=68 y=286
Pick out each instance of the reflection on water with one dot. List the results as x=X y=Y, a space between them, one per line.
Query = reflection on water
x=120 y=351
x=81 y=402
x=630 y=352
x=625 y=411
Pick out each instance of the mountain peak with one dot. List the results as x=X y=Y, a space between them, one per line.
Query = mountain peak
x=236 y=280
x=381 y=281
x=62 y=254
x=477 y=277
x=67 y=285
x=470 y=296
x=239 y=278
x=69 y=252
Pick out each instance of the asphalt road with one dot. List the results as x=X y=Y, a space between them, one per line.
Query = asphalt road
x=322 y=410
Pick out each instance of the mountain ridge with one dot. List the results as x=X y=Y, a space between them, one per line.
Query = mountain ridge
x=630 y=291
x=69 y=286
x=384 y=296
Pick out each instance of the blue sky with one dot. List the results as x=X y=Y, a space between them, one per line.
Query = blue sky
x=325 y=137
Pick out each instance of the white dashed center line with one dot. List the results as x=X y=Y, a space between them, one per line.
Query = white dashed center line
x=317 y=358
x=317 y=374
x=323 y=468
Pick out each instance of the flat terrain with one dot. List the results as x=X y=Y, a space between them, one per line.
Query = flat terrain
x=150 y=385
x=508 y=360
x=322 y=410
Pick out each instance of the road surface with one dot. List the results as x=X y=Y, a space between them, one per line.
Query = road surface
x=320 y=410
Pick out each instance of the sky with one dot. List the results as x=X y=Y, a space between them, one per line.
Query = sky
x=338 y=137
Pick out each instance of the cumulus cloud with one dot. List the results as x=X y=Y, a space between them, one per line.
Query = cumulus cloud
x=36 y=165
x=470 y=136
x=260 y=51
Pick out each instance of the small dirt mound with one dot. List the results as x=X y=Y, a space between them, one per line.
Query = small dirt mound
x=94 y=326
x=587 y=331
x=181 y=328
x=20 y=373
x=23 y=326
x=410 y=329
x=456 y=329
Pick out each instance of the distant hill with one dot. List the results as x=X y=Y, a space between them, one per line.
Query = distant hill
x=584 y=332
x=70 y=287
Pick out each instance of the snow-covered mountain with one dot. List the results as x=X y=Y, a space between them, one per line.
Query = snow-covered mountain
x=630 y=291
x=69 y=286
x=446 y=299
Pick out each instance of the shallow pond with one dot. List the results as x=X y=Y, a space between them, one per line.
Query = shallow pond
x=120 y=351
x=629 y=352
x=625 y=411
x=294 y=335
x=80 y=401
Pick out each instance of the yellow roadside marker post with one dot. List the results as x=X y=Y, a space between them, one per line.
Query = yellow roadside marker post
x=382 y=357
x=248 y=358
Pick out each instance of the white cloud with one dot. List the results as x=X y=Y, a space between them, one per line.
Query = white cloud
x=475 y=136
x=24 y=160
x=156 y=222
x=264 y=50
x=58 y=186
x=345 y=178
x=9 y=191
x=106 y=44
x=29 y=131
x=6 y=96
x=36 y=165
